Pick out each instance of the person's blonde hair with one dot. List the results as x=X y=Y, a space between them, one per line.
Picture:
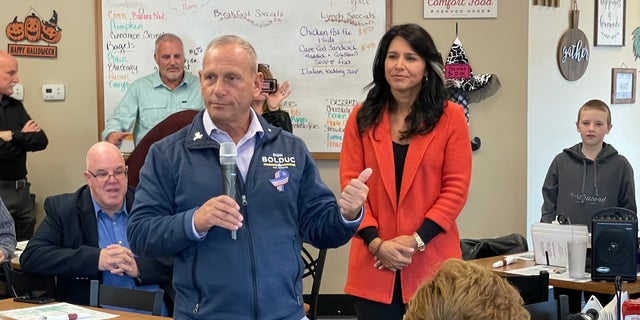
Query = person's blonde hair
x=462 y=290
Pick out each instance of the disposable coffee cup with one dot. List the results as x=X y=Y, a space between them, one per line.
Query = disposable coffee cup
x=577 y=258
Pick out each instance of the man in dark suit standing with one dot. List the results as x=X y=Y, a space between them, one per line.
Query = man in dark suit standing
x=83 y=236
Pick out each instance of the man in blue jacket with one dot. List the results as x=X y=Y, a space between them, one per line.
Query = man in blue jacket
x=181 y=210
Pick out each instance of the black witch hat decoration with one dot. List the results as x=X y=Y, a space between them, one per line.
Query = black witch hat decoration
x=465 y=87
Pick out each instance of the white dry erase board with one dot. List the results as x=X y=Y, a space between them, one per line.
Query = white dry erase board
x=324 y=48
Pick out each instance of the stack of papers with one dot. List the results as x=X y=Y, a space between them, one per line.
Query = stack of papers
x=550 y=241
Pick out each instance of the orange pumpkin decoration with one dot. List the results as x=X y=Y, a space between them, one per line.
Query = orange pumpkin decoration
x=51 y=33
x=15 y=30
x=32 y=26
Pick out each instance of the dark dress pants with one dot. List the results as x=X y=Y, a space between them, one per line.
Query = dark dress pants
x=21 y=205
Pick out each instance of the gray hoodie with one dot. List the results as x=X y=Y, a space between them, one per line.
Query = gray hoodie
x=576 y=187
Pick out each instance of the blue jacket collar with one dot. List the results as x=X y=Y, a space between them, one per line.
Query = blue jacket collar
x=197 y=138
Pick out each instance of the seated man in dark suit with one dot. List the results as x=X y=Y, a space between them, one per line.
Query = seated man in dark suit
x=83 y=236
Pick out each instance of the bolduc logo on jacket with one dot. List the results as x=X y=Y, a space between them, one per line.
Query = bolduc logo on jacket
x=279 y=162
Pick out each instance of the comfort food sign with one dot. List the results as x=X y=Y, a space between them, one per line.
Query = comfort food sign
x=442 y=9
x=35 y=30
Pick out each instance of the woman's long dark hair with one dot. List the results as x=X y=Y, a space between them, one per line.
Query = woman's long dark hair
x=429 y=105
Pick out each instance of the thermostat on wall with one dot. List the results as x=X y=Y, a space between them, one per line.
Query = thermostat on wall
x=52 y=92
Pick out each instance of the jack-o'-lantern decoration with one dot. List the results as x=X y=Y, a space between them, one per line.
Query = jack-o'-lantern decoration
x=51 y=32
x=15 y=30
x=32 y=27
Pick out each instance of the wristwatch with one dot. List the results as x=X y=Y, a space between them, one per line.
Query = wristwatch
x=419 y=241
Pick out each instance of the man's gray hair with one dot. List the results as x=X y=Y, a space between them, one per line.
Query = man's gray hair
x=166 y=37
x=244 y=44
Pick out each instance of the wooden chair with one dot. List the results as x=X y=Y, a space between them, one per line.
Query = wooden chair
x=106 y=295
x=533 y=289
x=166 y=127
x=550 y=310
x=26 y=284
x=313 y=267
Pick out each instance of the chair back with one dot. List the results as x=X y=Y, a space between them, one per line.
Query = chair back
x=106 y=295
x=313 y=267
x=27 y=284
x=164 y=128
x=533 y=289
x=550 y=310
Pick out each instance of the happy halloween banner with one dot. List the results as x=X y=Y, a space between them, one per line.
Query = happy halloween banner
x=34 y=29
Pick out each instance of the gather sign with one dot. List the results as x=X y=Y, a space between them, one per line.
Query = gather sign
x=573 y=51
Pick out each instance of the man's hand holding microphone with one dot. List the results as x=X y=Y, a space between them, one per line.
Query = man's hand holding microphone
x=223 y=211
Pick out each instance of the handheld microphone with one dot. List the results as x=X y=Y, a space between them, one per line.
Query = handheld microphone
x=228 y=155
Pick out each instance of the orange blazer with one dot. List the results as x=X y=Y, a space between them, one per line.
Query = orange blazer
x=435 y=185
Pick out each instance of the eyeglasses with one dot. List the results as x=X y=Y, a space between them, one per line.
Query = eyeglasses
x=103 y=176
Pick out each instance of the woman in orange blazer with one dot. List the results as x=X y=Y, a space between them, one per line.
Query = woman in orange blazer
x=418 y=146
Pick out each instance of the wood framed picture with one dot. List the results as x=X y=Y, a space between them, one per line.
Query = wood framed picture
x=623 y=85
x=610 y=23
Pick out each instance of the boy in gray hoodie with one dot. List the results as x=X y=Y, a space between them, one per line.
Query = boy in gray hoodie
x=590 y=175
x=586 y=177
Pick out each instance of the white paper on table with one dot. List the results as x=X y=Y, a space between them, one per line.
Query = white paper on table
x=555 y=273
x=528 y=256
x=53 y=309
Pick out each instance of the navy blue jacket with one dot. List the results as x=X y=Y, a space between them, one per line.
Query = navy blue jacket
x=259 y=275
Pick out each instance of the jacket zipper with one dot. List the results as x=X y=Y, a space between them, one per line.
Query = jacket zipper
x=194 y=278
x=245 y=211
